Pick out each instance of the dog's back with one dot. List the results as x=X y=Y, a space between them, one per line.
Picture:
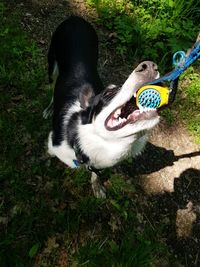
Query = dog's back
x=74 y=41
x=74 y=52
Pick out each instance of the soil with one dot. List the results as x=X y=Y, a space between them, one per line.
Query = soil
x=169 y=169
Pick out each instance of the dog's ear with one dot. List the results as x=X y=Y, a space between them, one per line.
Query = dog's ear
x=94 y=108
x=85 y=96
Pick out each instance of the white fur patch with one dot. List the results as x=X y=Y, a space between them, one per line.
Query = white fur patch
x=102 y=152
x=75 y=107
x=64 y=152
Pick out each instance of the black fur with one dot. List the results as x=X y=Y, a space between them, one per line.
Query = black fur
x=98 y=103
x=74 y=47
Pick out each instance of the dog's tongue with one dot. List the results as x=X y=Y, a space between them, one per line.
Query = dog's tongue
x=134 y=115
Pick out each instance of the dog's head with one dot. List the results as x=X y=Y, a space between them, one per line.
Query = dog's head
x=114 y=113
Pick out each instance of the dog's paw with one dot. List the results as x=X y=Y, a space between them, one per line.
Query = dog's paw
x=98 y=190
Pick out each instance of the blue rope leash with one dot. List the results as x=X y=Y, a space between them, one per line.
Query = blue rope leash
x=182 y=62
x=155 y=94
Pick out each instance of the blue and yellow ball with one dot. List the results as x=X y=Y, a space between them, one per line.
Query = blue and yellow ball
x=152 y=96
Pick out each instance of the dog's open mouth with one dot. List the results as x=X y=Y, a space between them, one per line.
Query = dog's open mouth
x=128 y=114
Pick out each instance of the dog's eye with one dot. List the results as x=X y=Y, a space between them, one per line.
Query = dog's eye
x=110 y=93
x=140 y=70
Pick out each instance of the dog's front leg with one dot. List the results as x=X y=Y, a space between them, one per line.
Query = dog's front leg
x=98 y=189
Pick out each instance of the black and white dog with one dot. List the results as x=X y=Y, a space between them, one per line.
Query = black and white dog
x=90 y=125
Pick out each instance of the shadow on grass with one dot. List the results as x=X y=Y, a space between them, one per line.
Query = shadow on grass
x=153 y=159
x=179 y=215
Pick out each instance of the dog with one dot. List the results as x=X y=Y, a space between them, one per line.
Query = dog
x=91 y=125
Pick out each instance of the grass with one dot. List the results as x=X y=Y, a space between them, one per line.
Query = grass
x=131 y=251
x=45 y=209
x=155 y=30
x=162 y=26
x=190 y=100
x=48 y=213
x=187 y=103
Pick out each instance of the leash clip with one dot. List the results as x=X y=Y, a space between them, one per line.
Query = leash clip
x=179 y=58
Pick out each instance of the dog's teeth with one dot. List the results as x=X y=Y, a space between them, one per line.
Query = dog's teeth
x=122 y=120
x=145 y=109
x=114 y=123
x=117 y=113
x=141 y=109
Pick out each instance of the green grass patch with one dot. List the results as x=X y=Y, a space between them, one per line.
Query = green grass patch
x=168 y=116
x=189 y=101
x=149 y=29
x=47 y=209
x=23 y=211
x=131 y=251
x=20 y=67
x=155 y=30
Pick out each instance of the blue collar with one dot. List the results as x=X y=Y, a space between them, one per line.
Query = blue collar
x=76 y=163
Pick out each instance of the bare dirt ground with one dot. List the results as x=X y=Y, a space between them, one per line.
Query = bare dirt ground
x=169 y=169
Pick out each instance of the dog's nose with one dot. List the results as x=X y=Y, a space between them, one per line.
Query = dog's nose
x=147 y=66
